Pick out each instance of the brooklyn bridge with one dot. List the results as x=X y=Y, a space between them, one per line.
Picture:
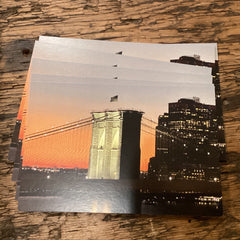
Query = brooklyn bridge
x=75 y=138
x=166 y=186
x=147 y=126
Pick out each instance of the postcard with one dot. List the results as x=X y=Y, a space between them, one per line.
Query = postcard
x=121 y=140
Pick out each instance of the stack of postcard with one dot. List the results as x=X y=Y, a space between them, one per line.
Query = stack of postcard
x=120 y=127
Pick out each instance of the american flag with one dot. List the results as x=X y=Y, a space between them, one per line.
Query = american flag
x=114 y=98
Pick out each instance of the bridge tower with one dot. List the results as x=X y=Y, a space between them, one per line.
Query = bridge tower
x=115 y=148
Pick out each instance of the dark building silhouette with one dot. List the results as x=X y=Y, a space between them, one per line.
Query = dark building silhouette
x=189 y=125
x=216 y=81
x=15 y=149
x=15 y=142
x=186 y=142
x=190 y=137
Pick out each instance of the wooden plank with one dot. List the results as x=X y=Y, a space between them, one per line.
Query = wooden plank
x=21 y=22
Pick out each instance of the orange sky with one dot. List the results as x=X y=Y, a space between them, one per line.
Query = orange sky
x=68 y=149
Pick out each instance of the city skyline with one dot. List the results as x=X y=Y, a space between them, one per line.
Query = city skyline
x=129 y=135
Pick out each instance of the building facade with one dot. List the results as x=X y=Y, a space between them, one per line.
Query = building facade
x=186 y=142
x=195 y=60
x=189 y=125
x=190 y=137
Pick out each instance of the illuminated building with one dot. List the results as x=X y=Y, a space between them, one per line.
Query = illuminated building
x=190 y=136
x=186 y=129
x=195 y=60
x=186 y=143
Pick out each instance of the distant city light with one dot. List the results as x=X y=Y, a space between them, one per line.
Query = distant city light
x=170 y=178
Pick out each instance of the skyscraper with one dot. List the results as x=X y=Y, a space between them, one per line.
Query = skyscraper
x=195 y=60
x=186 y=131
x=191 y=134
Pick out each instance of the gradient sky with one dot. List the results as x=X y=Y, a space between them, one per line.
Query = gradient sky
x=77 y=97
x=48 y=51
x=57 y=100
x=162 y=52
x=59 y=68
x=80 y=89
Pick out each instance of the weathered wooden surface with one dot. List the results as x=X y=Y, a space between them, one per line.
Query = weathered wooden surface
x=143 y=21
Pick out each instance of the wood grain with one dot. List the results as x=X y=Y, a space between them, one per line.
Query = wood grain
x=159 y=21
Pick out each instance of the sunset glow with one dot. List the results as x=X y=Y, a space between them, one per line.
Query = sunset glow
x=58 y=100
x=71 y=149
